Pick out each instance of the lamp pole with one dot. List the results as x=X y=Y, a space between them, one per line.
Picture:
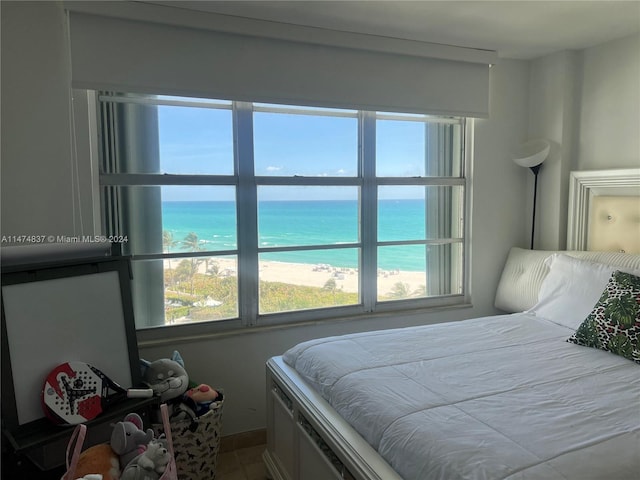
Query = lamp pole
x=535 y=169
x=531 y=155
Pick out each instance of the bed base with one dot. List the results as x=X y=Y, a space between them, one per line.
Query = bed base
x=308 y=440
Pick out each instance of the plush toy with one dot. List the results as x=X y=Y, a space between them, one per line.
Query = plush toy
x=202 y=394
x=166 y=377
x=150 y=464
x=196 y=402
x=99 y=462
x=128 y=439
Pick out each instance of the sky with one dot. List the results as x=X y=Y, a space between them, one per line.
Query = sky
x=200 y=141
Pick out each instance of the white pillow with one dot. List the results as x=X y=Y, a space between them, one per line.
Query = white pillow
x=572 y=288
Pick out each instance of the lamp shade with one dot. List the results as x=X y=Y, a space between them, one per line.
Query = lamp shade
x=530 y=154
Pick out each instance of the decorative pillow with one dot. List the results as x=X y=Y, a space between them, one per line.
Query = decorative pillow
x=614 y=323
x=571 y=289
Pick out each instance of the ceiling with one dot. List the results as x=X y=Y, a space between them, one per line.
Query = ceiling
x=515 y=29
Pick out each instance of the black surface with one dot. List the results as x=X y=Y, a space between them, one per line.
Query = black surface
x=20 y=446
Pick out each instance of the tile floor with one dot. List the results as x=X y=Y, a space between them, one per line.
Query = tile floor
x=241 y=464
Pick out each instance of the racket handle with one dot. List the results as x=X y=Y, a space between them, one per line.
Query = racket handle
x=139 y=393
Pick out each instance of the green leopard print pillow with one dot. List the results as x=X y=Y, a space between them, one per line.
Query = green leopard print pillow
x=614 y=323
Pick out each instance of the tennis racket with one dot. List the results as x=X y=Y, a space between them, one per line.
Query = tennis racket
x=76 y=392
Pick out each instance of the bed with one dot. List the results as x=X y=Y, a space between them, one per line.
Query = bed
x=514 y=396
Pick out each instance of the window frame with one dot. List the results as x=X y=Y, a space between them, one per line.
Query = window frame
x=248 y=250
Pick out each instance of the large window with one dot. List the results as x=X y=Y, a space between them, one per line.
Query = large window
x=245 y=214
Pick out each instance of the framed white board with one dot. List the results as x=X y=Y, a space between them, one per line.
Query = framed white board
x=58 y=313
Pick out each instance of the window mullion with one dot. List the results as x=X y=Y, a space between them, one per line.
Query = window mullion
x=247 y=211
x=368 y=209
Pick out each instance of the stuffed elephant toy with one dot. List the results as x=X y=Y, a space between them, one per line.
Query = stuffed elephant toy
x=128 y=439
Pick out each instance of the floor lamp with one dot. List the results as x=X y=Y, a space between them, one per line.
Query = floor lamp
x=531 y=155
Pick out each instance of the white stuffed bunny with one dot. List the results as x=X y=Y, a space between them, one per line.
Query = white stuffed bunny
x=149 y=465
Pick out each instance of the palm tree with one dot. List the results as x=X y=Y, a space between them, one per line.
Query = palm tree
x=192 y=244
x=184 y=271
x=213 y=269
x=331 y=286
x=168 y=242
x=400 y=290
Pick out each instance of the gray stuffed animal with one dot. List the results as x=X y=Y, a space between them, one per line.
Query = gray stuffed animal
x=128 y=439
x=150 y=464
x=166 y=377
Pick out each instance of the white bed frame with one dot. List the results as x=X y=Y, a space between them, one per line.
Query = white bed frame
x=308 y=440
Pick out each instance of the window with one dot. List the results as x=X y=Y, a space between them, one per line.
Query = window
x=243 y=213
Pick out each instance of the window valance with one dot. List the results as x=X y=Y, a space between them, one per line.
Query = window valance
x=133 y=47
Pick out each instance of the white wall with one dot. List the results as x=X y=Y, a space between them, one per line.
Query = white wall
x=36 y=166
x=36 y=150
x=609 y=115
x=551 y=116
x=44 y=186
x=588 y=104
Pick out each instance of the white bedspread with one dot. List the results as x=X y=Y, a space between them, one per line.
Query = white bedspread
x=502 y=397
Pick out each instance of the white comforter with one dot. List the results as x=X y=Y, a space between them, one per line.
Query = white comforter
x=502 y=397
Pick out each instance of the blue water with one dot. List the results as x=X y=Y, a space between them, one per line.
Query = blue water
x=288 y=223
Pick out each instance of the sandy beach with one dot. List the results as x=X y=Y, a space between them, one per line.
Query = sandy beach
x=317 y=275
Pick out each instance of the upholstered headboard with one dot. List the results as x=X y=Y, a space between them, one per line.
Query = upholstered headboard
x=614 y=224
x=604 y=210
x=525 y=269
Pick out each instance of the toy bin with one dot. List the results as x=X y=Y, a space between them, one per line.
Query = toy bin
x=196 y=443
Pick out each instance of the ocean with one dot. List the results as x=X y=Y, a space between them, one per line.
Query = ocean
x=301 y=223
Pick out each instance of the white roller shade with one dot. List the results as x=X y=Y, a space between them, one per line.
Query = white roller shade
x=346 y=71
